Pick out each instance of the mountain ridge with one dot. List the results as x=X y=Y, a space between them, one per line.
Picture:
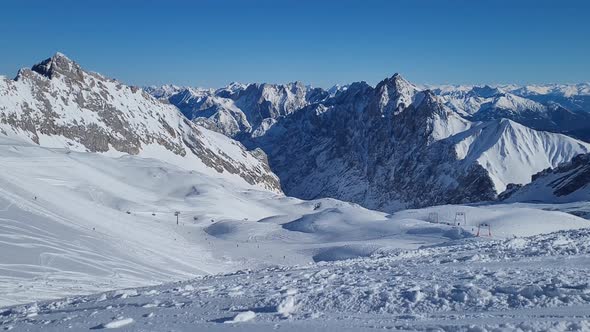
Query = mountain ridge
x=367 y=137
x=58 y=104
x=386 y=147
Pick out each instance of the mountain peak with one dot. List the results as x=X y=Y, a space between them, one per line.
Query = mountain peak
x=398 y=80
x=58 y=64
x=395 y=93
x=398 y=83
x=60 y=55
x=486 y=91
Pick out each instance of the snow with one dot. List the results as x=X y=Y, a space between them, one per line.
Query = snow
x=116 y=324
x=96 y=223
x=287 y=307
x=567 y=183
x=505 y=220
x=520 y=284
x=243 y=317
x=94 y=240
x=511 y=152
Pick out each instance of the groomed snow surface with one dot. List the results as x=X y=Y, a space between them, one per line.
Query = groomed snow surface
x=79 y=223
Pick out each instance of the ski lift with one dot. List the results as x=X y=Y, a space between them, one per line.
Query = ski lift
x=460 y=217
x=484 y=226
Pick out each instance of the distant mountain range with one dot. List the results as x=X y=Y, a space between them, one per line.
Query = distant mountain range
x=556 y=108
x=240 y=108
x=397 y=145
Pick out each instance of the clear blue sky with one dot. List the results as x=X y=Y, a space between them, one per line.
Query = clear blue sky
x=214 y=42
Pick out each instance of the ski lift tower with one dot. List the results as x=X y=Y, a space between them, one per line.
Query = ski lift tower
x=484 y=226
x=460 y=217
x=177 y=213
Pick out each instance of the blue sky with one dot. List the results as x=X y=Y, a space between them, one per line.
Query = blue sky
x=211 y=43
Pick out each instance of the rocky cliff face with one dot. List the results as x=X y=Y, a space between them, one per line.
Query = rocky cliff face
x=58 y=104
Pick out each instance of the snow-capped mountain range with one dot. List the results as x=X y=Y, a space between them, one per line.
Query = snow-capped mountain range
x=239 y=108
x=557 y=108
x=58 y=104
x=397 y=144
x=388 y=147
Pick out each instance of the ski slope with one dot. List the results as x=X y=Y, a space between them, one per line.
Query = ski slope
x=78 y=223
x=524 y=284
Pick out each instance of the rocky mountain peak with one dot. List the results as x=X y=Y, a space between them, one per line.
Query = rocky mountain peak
x=58 y=64
x=396 y=83
x=395 y=94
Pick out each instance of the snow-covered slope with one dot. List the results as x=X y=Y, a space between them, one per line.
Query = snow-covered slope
x=81 y=222
x=511 y=152
x=538 y=283
x=77 y=222
x=569 y=182
x=58 y=104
